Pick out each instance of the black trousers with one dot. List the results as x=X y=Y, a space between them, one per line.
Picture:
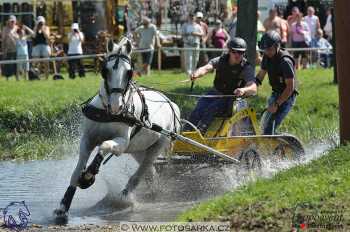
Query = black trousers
x=75 y=64
x=9 y=69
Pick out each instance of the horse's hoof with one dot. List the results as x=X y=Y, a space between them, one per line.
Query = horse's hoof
x=84 y=183
x=61 y=216
x=125 y=193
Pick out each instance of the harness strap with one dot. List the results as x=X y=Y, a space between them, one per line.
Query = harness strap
x=128 y=102
x=117 y=90
x=89 y=100
x=135 y=131
x=144 y=112
x=101 y=115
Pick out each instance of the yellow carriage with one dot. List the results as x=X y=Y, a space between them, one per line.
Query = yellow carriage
x=237 y=137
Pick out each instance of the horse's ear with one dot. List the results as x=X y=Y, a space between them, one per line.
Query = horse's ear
x=128 y=46
x=110 y=46
x=104 y=70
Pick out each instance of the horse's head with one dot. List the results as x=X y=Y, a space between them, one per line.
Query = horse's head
x=117 y=74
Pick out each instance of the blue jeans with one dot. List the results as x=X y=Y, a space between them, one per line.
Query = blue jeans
x=273 y=121
x=326 y=60
x=207 y=108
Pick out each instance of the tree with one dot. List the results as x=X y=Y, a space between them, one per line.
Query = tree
x=246 y=25
x=334 y=60
x=342 y=22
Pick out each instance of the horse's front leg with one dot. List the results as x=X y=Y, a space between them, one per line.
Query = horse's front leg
x=115 y=146
x=86 y=147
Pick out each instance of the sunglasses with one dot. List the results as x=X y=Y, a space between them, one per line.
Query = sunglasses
x=237 y=52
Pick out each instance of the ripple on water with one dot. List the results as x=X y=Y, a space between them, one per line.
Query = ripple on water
x=41 y=184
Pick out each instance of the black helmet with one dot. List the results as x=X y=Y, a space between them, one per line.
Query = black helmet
x=270 y=39
x=237 y=44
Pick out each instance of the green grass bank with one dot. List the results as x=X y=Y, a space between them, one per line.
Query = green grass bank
x=313 y=196
x=37 y=118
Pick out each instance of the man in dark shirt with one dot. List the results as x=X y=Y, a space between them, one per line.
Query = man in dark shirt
x=234 y=76
x=279 y=65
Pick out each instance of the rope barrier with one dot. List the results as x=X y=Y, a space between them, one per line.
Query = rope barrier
x=60 y=58
x=187 y=95
x=50 y=59
x=135 y=51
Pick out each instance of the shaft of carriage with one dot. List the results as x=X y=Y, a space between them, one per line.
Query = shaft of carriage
x=184 y=139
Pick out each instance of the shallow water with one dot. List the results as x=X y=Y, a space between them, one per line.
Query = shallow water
x=41 y=184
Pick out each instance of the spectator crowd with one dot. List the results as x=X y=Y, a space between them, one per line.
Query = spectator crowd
x=15 y=38
x=297 y=31
x=301 y=34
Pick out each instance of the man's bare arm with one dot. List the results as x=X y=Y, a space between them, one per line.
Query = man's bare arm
x=249 y=89
x=199 y=34
x=288 y=91
x=201 y=71
x=260 y=76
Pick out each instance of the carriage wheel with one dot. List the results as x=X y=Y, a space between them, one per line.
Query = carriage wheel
x=250 y=160
x=291 y=150
x=280 y=152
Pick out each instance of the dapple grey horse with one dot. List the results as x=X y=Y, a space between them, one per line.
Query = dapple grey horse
x=109 y=124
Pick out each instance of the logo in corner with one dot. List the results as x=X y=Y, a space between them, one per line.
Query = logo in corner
x=15 y=215
x=310 y=217
x=299 y=220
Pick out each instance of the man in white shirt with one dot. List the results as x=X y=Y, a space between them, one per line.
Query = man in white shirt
x=147 y=35
x=203 y=56
x=76 y=38
x=312 y=21
x=314 y=25
x=191 y=35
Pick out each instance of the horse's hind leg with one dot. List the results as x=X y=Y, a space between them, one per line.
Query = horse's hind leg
x=150 y=173
x=86 y=148
x=147 y=165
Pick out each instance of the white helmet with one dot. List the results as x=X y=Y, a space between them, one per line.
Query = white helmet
x=199 y=14
x=40 y=19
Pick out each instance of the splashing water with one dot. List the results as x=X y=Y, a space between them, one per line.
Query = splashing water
x=42 y=184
